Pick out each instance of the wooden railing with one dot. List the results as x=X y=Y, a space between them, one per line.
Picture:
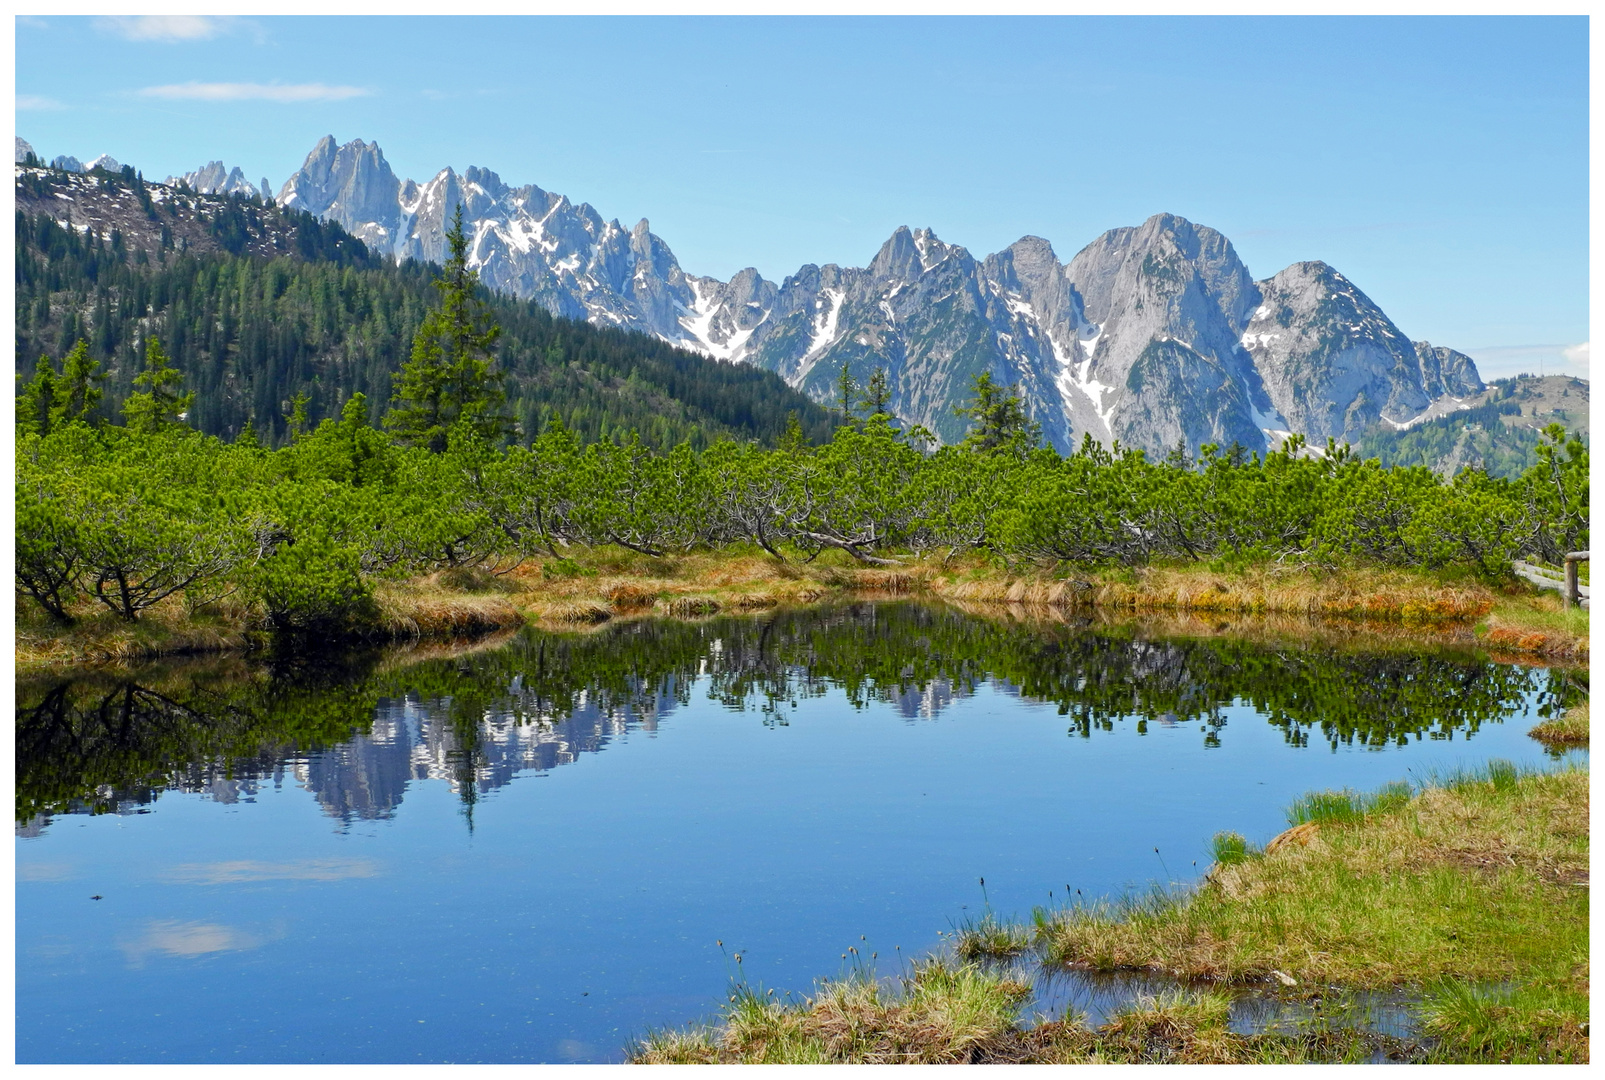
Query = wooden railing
x=1565 y=581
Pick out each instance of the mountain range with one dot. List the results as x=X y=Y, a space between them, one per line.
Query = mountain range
x=1153 y=335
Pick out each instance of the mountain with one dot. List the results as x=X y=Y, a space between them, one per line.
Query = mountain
x=257 y=303
x=214 y=179
x=1335 y=366
x=24 y=149
x=1153 y=335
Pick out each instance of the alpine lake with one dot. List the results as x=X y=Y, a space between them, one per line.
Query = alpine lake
x=538 y=848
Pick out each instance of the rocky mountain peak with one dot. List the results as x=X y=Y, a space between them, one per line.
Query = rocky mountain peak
x=214 y=178
x=898 y=258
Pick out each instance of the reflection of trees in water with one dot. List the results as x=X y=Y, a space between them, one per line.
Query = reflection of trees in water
x=356 y=734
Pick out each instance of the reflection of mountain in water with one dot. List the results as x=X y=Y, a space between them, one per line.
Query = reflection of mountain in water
x=926 y=702
x=419 y=739
x=357 y=733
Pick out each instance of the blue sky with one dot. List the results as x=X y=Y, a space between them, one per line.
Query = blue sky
x=1441 y=164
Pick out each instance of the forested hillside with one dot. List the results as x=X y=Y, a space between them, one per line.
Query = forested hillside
x=1500 y=432
x=256 y=305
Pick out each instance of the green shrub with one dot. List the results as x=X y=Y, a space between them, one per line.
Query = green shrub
x=312 y=586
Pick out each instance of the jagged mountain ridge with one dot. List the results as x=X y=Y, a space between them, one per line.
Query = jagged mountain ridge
x=214 y=178
x=1151 y=335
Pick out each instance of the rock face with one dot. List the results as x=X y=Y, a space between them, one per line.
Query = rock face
x=214 y=179
x=1335 y=365
x=1154 y=336
x=66 y=163
x=23 y=150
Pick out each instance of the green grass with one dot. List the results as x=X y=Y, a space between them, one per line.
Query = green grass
x=1345 y=807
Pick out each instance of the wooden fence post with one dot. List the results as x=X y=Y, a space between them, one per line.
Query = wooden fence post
x=1569 y=594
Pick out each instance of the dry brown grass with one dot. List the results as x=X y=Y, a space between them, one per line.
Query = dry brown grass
x=691 y=585
x=1536 y=623
x=424 y=610
x=1397 y=596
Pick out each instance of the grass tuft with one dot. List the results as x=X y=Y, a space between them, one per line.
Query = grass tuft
x=1231 y=848
x=990 y=938
x=1568 y=729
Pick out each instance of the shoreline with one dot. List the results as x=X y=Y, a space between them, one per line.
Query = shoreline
x=590 y=588
x=1467 y=892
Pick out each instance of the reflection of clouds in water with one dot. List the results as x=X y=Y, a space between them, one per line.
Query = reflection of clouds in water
x=169 y=937
x=45 y=871
x=233 y=873
x=574 y=1050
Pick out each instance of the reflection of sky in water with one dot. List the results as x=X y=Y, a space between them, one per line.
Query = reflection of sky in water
x=583 y=909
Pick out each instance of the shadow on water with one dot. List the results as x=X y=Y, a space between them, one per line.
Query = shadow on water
x=357 y=728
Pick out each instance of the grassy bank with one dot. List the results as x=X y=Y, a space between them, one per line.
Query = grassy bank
x=594 y=585
x=1567 y=730
x=1470 y=894
x=949 y=1012
x=404 y=611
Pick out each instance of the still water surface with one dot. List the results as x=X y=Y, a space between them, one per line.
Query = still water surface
x=530 y=853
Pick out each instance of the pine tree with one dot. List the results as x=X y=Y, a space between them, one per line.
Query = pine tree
x=877 y=396
x=37 y=405
x=793 y=442
x=451 y=377
x=847 y=391
x=1001 y=421
x=160 y=405
x=78 y=391
x=296 y=419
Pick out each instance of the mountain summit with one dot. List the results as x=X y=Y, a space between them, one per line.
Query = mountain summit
x=1153 y=335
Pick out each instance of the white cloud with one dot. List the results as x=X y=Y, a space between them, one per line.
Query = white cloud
x=33 y=21
x=36 y=103
x=1577 y=354
x=163 y=27
x=280 y=92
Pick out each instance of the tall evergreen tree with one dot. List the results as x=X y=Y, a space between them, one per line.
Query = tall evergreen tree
x=37 y=406
x=160 y=405
x=877 y=396
x=1001 y=421
x=451 y=377
x=78 y=391
x=847 y=391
